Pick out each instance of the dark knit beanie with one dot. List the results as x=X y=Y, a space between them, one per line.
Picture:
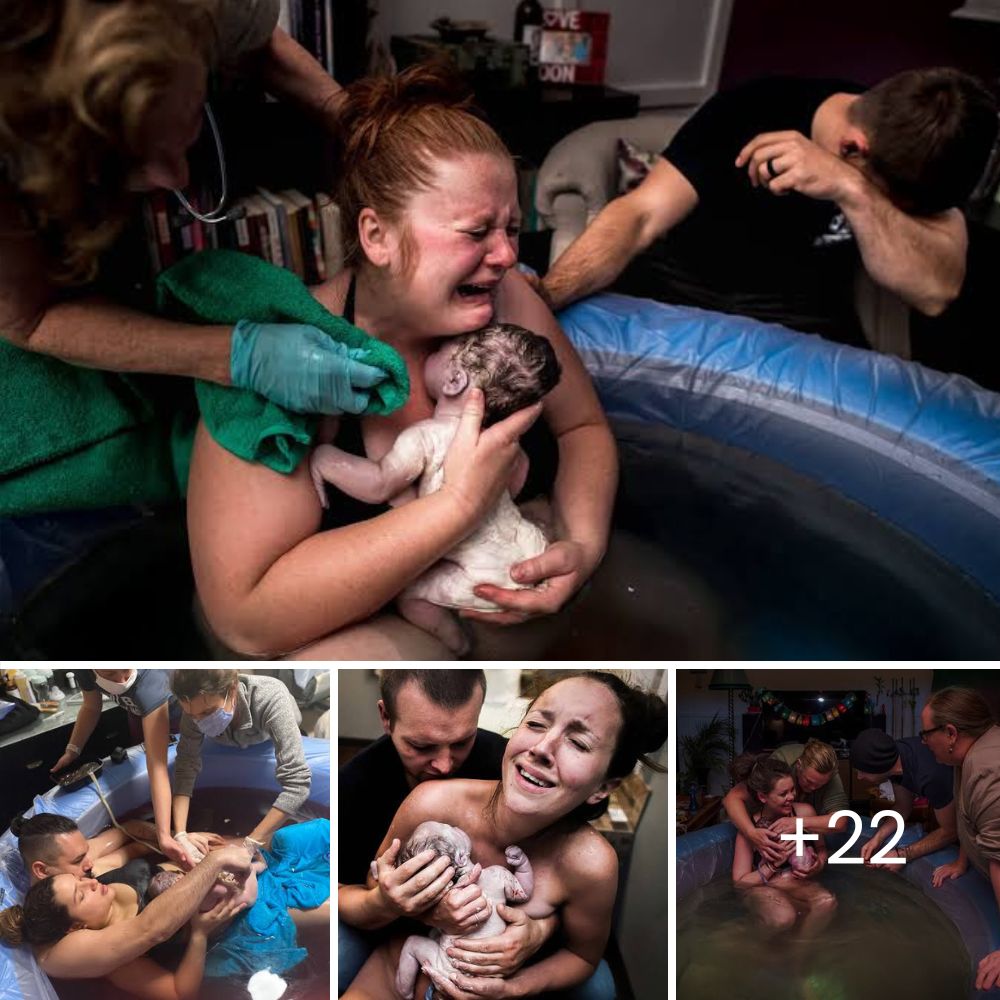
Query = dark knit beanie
x=874 y=752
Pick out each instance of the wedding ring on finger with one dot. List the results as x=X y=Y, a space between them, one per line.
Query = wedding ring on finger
x=771 y=172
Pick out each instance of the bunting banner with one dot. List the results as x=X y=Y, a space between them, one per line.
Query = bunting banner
x=780 y=709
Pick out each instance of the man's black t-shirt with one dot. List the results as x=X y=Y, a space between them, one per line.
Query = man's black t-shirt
x=923 y=775
x=372 y=787
x=788 y=259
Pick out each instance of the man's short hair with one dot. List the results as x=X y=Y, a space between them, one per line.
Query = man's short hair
x=36 y=836
x=447 y=688
x=819 y=756
x=930 y=133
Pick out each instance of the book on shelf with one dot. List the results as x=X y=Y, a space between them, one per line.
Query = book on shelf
x=286 y=228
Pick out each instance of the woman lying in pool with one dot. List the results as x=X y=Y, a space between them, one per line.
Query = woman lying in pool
x=577 y=741
x=777 y=894
x=65 y=918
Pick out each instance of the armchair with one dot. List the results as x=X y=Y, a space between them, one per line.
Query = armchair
x=578 y=178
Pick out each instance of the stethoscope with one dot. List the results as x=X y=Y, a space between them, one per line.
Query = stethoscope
x=219 y=213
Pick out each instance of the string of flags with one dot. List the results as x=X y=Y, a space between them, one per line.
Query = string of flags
x=770 y=699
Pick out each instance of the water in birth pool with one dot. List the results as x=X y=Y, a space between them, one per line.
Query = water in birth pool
x=232 y=812
x=886 y=939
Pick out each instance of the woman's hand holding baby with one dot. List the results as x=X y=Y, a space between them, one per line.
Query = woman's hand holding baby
x=555 y=576
x=505 y=954
x=462 y=908
x=479 y=462
x=211 y=920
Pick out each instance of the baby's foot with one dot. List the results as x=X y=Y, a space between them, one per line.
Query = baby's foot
x=515 y=856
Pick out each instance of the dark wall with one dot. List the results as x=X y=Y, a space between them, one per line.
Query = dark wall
x=861 y=40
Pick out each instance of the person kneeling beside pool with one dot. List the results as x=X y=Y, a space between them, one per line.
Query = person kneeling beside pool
x=514 y=368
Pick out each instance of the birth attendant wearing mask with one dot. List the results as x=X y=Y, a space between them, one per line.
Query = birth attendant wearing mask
x=144 y=694
x=238 y=710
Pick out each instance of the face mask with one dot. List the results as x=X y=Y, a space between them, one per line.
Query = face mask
x=216 y=723
x=112 y=687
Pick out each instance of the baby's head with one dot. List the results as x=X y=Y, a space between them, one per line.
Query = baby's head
x=444 y=839
x=513 y=366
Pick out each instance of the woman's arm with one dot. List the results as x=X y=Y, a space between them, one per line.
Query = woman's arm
x=148 y=980
x=187 y=767
x=156 y=735
x=586 y=480
x=744 y=874
x=270 y=583
x=86 y=722
x=278 y=720
x=290 y=71
x=90 y=954
x=591 y=885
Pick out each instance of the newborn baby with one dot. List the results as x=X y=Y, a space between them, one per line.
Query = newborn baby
x=498 y=884
x=226 y=884
x=793 y=861
x=514 y=368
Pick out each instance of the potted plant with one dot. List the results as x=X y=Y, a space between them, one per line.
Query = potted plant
x=705 y=749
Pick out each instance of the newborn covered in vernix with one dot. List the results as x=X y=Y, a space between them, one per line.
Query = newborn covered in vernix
x=512 y=884
x=514 y=368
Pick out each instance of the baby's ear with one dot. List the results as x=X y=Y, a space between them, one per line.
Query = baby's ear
x=457 y=382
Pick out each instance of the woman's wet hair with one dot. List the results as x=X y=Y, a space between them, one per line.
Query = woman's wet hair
x=761 y=772
x=35 y=835
x=963 y=708
x=189 y=684
x=78 y=81
x=393 y=130
x=39 y=920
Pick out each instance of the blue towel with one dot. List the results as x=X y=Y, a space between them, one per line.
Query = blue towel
x=297 y=875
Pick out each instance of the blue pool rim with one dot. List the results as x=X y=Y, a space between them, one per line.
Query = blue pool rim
x=126 y=787
x=919 y=448
x=967 y=902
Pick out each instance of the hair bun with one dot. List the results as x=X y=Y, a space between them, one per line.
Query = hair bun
x=654 y=724
x=16 y=825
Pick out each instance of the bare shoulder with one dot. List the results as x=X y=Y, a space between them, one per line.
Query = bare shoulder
x=437 y=799
x=586 y=858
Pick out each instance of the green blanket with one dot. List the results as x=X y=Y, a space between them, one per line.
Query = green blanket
x=223 y=286
x=74 y=438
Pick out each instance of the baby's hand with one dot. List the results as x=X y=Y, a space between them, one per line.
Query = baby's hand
x=515 y=856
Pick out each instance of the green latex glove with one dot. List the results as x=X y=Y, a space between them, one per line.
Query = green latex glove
x=300 y=368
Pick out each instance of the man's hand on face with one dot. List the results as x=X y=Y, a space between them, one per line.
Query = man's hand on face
x=788 y=161
x=502 y=955
x=462 y=909
x=416 y=884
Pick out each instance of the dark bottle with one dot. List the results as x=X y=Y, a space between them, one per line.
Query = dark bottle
x=528 y=27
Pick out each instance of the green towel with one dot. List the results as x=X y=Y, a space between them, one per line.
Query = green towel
x=74 y=438
x=225 y=286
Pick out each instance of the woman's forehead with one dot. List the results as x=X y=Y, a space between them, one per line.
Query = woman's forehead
x=469 y=185
x=581 y=697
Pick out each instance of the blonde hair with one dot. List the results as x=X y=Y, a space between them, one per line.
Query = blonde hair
x=819 y=756
x=79 y=79
x=962 y=708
